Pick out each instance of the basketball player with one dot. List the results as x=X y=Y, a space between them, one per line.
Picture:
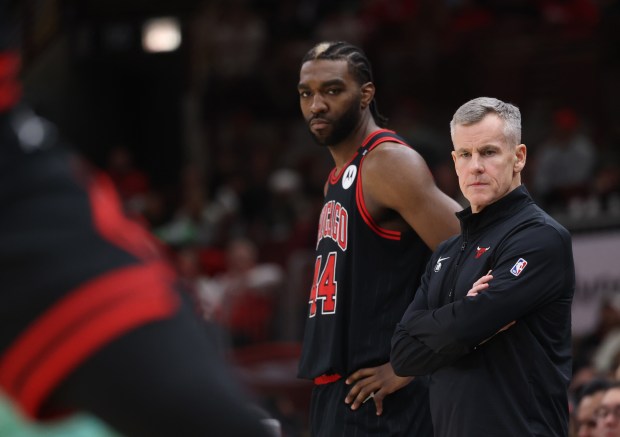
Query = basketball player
x=91 y=319
x=381 y=216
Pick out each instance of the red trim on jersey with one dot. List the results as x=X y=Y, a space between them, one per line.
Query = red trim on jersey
x=326 y=379
x=333 y=177
x=82 y=322
x=361 y=205
x=111 y=222
x=374 y=134
x=383 y=140
x=10 y=87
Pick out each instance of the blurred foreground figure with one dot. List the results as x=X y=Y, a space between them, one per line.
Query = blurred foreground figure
x=91 y=318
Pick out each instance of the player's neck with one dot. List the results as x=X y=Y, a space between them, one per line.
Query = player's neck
x=344 y=151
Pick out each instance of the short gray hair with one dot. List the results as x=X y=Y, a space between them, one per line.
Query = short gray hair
x=475 y=110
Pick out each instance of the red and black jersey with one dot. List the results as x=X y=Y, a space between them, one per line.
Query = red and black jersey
x=365 y=276
x=90 y=318
x=76 y=274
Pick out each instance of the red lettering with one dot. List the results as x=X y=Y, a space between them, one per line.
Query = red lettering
x=329 y=215
x=333 y=223
x=336 y=222
x=344 y=226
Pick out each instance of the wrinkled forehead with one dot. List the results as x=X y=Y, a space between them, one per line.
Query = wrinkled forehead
x=487 y=132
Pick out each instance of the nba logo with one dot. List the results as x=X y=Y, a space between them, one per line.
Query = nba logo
x=518 y=267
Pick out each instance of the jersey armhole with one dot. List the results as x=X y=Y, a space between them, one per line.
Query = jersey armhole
x=361 y=204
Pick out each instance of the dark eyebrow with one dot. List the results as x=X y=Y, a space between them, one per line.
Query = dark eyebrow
x=332 y=83
x=326 y=84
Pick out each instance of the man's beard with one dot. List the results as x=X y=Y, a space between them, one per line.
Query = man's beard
x=342 y=127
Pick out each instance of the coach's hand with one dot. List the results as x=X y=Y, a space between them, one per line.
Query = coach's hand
x=374 y=383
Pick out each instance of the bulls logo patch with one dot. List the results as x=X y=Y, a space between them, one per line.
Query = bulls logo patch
x=480 y=251
x=518 y=267
x=349 y=176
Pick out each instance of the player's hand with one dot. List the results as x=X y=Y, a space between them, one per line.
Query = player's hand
x=374 y=383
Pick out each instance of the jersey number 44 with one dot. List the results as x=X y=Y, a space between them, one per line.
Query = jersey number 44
x=324 y=286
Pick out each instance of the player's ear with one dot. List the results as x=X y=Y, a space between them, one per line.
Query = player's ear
x=367 y=94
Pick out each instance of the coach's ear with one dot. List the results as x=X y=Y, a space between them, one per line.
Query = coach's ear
x=367 y=94
x=520 y=158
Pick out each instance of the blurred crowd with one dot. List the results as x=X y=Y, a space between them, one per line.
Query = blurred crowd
x=252 y=179
x=240 y=220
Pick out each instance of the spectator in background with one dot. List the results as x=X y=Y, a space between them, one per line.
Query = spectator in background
x=598 y=352
x=565 y=162
x=244 y=298
x=341 y=22
x=607 y=177
x=192 y=274
x=588 y=401
x=198 y=220
x=131 y=183
x=230 y=39
x=576 y=17
x=608 y=413
x=606 y=357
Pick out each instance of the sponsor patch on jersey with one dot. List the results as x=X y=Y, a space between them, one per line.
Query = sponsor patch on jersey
x=480 y=251
x=439 y=264
x=349 y=176
x=518 y=267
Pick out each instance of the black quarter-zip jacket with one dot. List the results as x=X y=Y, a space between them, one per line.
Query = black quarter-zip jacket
x=484 y=382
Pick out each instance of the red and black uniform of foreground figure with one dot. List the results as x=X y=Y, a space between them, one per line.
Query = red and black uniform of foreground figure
x=91 y=316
